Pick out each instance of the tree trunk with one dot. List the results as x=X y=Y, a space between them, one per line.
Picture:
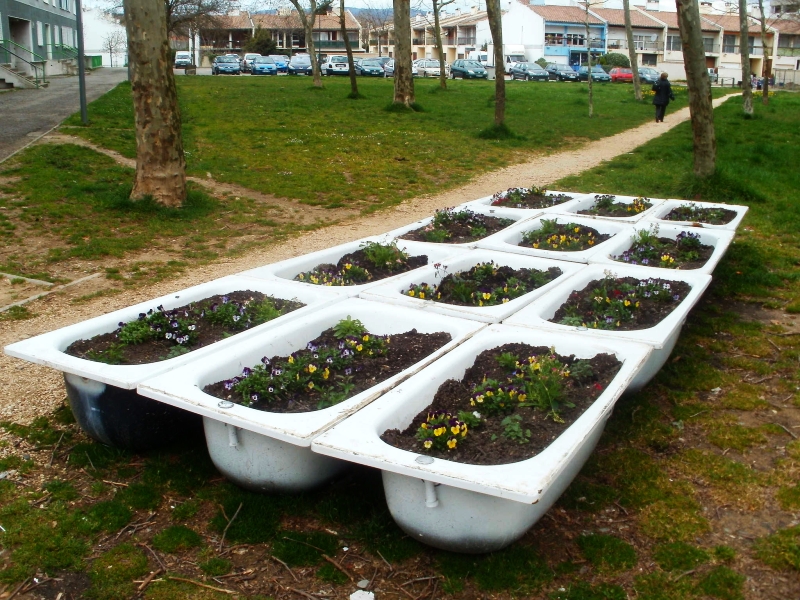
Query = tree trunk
x=496 y=27
x=438 y=37
x=699 y=87
x=589 y=55
x=744 y=50
x=160 y=164
x=403 y=80
x=767 y=70
x=637 y=84
x=309 y=28
x=349 y=49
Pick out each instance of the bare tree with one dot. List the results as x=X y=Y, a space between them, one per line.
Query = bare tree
x=307 y=18
x=403 y=80
x=699 y=87
x=637 y=84
x=114 y=44
x=496 y=28
x=160 y=163
x=437 y=33
x=377 y=18
x=191 y=15
x=351 y=67
x=744 y=51
x=587 y=15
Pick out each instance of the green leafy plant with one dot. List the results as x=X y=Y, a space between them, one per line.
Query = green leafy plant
x=568 y=237
x=604 y=204
x=532 y=197
x=441 y=431
x=512 y=429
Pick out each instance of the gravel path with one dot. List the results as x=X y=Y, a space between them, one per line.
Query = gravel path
x=28 y=390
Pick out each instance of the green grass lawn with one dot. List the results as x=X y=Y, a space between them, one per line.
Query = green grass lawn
x=280 y=136
x=675 y=504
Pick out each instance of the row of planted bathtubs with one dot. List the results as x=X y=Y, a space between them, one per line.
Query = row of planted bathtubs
x=474 y=357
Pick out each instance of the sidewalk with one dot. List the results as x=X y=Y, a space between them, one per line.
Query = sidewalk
x=28 y=114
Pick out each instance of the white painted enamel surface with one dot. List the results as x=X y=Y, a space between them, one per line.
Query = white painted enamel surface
x=587 y=201
x=668 y=205
x=720 y=239
x=528 y=212
x=287 y=270
x=509 y=239
x=263 y=464
x=489 y=211
x=48 y=348
x=184 y=387
x=394 y=292
x=357 y=439
x=662 y=337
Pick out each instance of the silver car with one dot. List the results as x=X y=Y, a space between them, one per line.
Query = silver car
x=429 y=68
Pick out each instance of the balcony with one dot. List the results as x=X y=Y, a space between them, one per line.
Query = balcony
x=574 y=43
x=788 y=51
x=331 y=44
x=639 y=45
x=466 y=41
x=734 y=49
x=711 y=48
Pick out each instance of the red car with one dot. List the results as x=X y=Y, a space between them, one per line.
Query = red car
x=621 y=74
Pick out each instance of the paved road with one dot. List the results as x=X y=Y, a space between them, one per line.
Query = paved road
x=26 y=115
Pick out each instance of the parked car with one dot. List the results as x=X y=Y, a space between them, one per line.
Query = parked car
x=281 y=61
x=561 y=72
x=621 y=74
x=429 y=68
x=649 y=75
x=247 y=61
x=598 y=73
x=335 y=65
x=388 y=69
x=183 y=59
x=369 y=67
x=468 y=69
x=226 y=64
x=528 y=72
x=263 y=65
x=300 y=64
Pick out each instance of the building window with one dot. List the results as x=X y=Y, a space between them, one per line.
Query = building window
x=729 y=43
x=674 y=43
x=39 y=34
x=651 y=60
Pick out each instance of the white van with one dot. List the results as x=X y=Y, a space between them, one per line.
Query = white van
x=480 y=55
x=183 y=59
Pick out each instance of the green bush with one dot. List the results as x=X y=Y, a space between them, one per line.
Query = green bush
x=615 y=59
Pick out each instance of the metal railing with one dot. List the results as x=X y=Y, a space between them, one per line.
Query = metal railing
x=788 y=51
x=7 y=50
x=734 y=49
x=466 y=41
x=330 y=44
x=63 y=51
x=639 y=45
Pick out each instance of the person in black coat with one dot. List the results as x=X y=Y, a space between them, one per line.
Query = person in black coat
x=663 y=94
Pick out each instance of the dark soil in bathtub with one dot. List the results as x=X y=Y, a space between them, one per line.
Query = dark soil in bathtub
x=371 y=263
x=712 y=216
x=328 y=371
x=485 y=284
x=605 y=206
x=563 y=237
x=451 y=226
x=621 y=304
x=528 y=198
x=163 y=334
x=506 y=429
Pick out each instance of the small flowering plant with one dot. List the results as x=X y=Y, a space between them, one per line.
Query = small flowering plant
x=373 y=261
x=621 y=303
x=517 y=389
x=485 y=284
x=569 y=237
x=453 y=226
x=174 y=332
x=532 y=197
x=343 y=361
x=696 y=214
x=649 y=250
x=441 y=431
x=605 y=206
x=321 y=372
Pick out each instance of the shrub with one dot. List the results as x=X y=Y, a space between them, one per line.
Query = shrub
x=615 y=59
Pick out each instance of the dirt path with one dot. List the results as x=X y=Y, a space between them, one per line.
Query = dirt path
x=28 y=390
